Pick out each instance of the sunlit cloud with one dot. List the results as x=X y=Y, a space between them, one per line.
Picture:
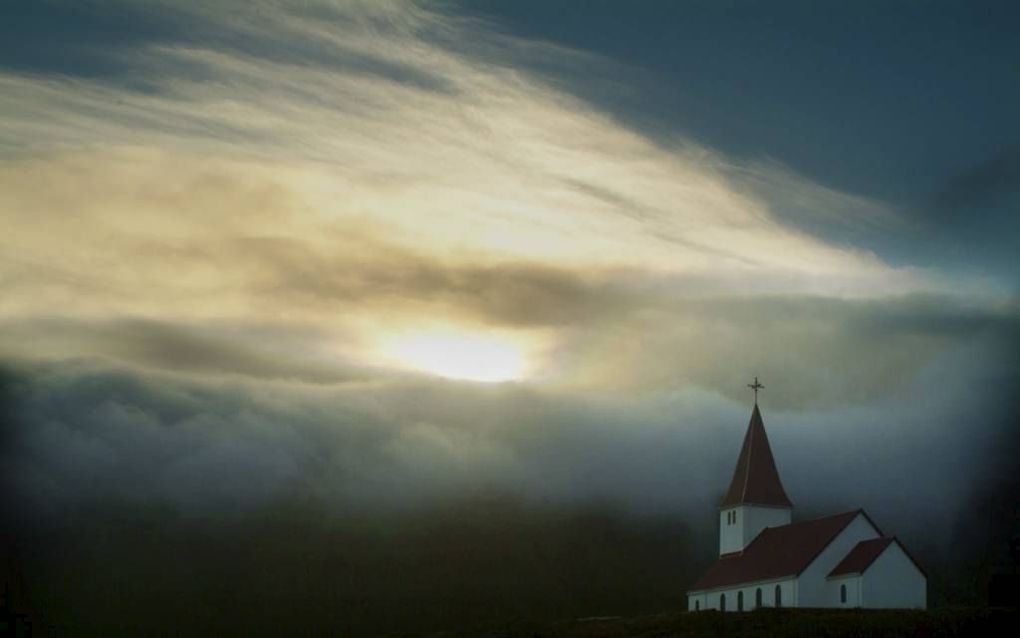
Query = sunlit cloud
x=310 y=211
x=436 y=147
x=457 y=353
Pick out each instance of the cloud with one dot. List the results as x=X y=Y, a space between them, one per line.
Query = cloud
x=479 y=158
x=113 y=467
x=179 y=273
x=85 y=431
x=276 y=212
x=301 y=496
x=304 y=312
x=279 y=352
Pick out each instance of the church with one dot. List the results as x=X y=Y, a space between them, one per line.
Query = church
x=767 y=560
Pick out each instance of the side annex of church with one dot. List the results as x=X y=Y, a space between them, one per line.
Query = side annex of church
x=767 y=560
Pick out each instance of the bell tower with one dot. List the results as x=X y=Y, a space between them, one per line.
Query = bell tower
x=756 y=498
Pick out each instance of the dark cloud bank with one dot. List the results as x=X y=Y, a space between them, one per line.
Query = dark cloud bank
x=142 y=500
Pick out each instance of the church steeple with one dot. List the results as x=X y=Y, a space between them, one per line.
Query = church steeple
x=756 y=498
x=756 y=480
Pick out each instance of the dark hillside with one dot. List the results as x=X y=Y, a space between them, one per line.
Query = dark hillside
x=941 y=623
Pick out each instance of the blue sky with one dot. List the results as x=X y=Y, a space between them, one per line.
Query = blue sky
x=910 y=103
x=888 y=100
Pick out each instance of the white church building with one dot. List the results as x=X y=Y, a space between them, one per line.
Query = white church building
x=767 y=560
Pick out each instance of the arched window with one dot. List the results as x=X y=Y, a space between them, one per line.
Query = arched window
x=757 y=597
x=722 y=602
x=697 y=605
x=779 y=596
x=842 y=593
x=740 y=601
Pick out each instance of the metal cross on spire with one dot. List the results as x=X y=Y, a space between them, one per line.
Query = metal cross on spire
x=755 y=386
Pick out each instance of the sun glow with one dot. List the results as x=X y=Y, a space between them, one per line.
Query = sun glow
x=471 y=356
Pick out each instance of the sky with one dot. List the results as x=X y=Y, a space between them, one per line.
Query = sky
x=384 y=267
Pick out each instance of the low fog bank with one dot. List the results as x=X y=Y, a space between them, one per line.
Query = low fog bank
x=145 y=500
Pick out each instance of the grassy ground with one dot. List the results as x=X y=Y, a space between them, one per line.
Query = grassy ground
x=772 y=622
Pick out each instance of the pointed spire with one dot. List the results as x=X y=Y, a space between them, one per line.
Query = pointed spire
x=756 y=480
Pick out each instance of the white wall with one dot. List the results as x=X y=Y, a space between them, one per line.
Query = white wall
x=698 y=602
x=893 y=581
x=731 y=536
x=812 y=588
x=750 y=521
x=711 y=599
x=852 y=582
x=758 y=517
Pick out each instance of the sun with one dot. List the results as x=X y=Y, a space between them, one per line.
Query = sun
x=489 y=357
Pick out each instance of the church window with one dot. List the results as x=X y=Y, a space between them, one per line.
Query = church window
x=740 y=601
x=842 y=593
x=757 y=597
x=779 y=596
x=722 y=602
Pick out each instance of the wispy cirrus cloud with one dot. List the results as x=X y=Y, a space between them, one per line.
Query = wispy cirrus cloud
x=345 y=170
x=402 y=116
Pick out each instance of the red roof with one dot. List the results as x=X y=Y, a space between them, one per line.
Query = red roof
x=861 y=556
x=756 y=479
x=777 y=552
x=867 y=552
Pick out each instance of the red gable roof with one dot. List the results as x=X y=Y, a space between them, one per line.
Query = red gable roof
x=756 y=479
x=777 y=552
x=861 y=556
x=867 y=552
